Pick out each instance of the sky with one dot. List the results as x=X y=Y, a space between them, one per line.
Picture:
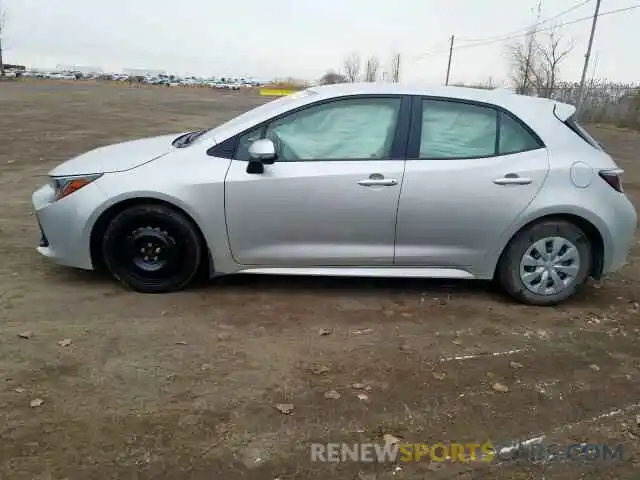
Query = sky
x=305 y=38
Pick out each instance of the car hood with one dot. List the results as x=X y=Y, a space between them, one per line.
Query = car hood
x=118 y=157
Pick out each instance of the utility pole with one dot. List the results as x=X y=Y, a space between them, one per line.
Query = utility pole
x=587 y=56
x=527 y=63
x=1 y=31
x=1 y=60
x=595 y=65
x=532 y=39
x=446 y=82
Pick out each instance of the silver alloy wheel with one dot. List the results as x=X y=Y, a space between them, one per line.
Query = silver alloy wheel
x=550 y=265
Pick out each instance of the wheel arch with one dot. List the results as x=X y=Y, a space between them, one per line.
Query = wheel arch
x=100 y=225
x=592 y=232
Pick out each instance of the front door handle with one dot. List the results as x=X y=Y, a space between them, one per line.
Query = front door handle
x=512 y=180
x=378 y=182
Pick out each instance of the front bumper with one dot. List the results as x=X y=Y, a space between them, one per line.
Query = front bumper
x=44 y=241
x=65 y=225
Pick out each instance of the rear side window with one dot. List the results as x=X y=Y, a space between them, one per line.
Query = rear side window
x=573 y=124
x=457 y=130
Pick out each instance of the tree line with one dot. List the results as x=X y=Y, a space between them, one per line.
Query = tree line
x=533 y=64
x=355 y=70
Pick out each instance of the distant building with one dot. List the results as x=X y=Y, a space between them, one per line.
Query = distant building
x=79 y=68
x=143 y=72
x=21 y=68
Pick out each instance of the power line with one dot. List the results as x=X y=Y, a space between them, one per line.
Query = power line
x=510 y=37
x=571 y=22
x=520 y=31
x=528 y=29
x=564 y=12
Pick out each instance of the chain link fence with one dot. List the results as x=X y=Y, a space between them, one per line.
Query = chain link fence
x=604 y=101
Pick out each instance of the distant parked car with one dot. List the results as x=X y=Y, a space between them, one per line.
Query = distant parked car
x=352 y=180
x=62 y=76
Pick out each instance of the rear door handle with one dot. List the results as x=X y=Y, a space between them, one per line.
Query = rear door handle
x=381 y=182
x=512 y=180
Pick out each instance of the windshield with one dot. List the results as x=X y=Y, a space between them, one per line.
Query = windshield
x=273 y=106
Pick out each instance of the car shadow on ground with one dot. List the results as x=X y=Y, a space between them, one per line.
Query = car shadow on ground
x=590 y=295
x=355 y=286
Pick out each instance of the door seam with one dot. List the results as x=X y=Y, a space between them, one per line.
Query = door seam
x=404 y=172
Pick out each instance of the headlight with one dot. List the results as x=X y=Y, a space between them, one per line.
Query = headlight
x=65 y=186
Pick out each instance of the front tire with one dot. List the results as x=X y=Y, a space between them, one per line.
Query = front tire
x=152 y=249
x=546 y=263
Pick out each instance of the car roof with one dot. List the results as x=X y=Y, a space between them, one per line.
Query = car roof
x=498 y=96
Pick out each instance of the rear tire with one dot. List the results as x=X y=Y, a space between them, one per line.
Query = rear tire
x=152 y=249
x=546 y=263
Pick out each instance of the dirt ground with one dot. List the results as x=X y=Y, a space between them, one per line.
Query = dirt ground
x=186 y=385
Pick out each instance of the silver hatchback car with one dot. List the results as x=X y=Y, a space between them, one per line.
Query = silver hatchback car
x=352 y=180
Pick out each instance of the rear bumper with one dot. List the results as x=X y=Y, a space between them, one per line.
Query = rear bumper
x=622 y=223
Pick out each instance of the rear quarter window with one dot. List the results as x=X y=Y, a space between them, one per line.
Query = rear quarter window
x=514 y=137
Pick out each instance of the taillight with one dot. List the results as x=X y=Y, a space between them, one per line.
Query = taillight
x=612 y=177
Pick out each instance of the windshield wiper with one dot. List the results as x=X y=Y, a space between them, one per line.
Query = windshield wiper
x=187 y=139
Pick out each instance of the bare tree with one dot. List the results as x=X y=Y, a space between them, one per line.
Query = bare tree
x=371 y=70
x=395 y=68
x=523 y=59
x=2 y=21
x=535 y=64
x=352 y=70
x=352 y=67
x=331 y=78
x=551 y=52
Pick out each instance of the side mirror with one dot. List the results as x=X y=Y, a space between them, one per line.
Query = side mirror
x=255 y=167
x=263 y=150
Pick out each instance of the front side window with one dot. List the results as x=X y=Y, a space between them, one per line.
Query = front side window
x=455 y=130
x=245 y=141
x=349 y=129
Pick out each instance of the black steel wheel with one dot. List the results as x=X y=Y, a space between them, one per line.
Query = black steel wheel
x=152 y=249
